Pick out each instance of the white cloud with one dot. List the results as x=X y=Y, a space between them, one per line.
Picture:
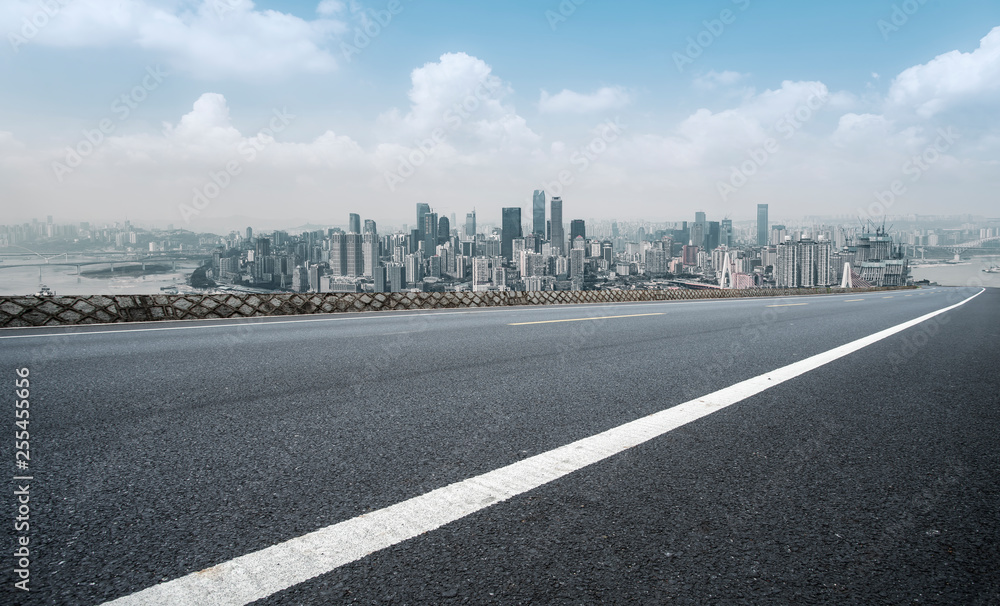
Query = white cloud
x=571 y=102
x=208 y=39
x=460 y=95
x=950 y=79
x=714 y=79
x=330 y=7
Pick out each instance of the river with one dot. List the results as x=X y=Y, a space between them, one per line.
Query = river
x=63 y=279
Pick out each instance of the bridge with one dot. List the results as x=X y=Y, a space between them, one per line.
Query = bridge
x=132 y=259
x=958 y=249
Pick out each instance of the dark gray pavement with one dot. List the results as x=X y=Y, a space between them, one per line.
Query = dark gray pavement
x=158 y=452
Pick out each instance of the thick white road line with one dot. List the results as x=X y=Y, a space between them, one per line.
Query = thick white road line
x=268 y=571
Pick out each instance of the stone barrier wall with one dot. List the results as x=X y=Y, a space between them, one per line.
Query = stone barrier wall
x=96 y=309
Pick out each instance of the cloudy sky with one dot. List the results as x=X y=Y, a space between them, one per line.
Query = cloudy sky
x=194 y=112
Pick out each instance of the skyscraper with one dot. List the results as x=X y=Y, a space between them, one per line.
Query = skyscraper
x=355 y=256
x=557 y=236
x=726 y=235
x=355 y=226
x=369 y=250
x=511 y=230
x=470 y=224
x=430 y=231
x=338 y=254
x=422 y=210
x=444 y=230
x=762 y=225
x=370 y=227
x=577 y=229
x=538 y=213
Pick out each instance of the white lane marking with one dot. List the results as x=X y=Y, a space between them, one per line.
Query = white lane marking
x=262 y=573
x=586 y=319
x=123 y=327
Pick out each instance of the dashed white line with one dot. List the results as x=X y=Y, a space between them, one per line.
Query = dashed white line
x=262 y=573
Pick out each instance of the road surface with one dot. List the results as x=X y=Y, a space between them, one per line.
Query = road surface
x=161 y=453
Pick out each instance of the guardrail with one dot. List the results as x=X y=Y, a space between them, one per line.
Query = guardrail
x=98 y=309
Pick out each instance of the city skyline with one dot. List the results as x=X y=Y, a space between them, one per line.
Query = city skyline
x=901 y=121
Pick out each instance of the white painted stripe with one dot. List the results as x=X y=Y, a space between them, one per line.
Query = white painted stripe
x=257 y=575
x=586 y=319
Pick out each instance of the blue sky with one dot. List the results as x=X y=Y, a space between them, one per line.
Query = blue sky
x=690 y=135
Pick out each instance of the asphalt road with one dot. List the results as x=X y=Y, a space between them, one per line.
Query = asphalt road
x=159 y=450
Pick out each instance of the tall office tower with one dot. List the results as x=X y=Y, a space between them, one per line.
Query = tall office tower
x=577 y=229
x=355 y=224
x=395 y=276
x=726 y=233
x=511 y=230
x=338 y=254
x=443 y=230
x=370 y=227
x=414 y=240
x=422 y=211
x=249 y=234
x=470 y=224
x=713 y=237
x=538 y=213
x=762 y=230
x=697 y=235
x=556 y=234
x=576 y=261
x=430 y=231
x=614 y=230
x=369 y=249
x=355 y=255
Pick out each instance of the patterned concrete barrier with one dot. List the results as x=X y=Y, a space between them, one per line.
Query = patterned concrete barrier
x=97 y=309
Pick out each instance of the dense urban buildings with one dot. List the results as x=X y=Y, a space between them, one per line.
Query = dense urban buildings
x=511 y=254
